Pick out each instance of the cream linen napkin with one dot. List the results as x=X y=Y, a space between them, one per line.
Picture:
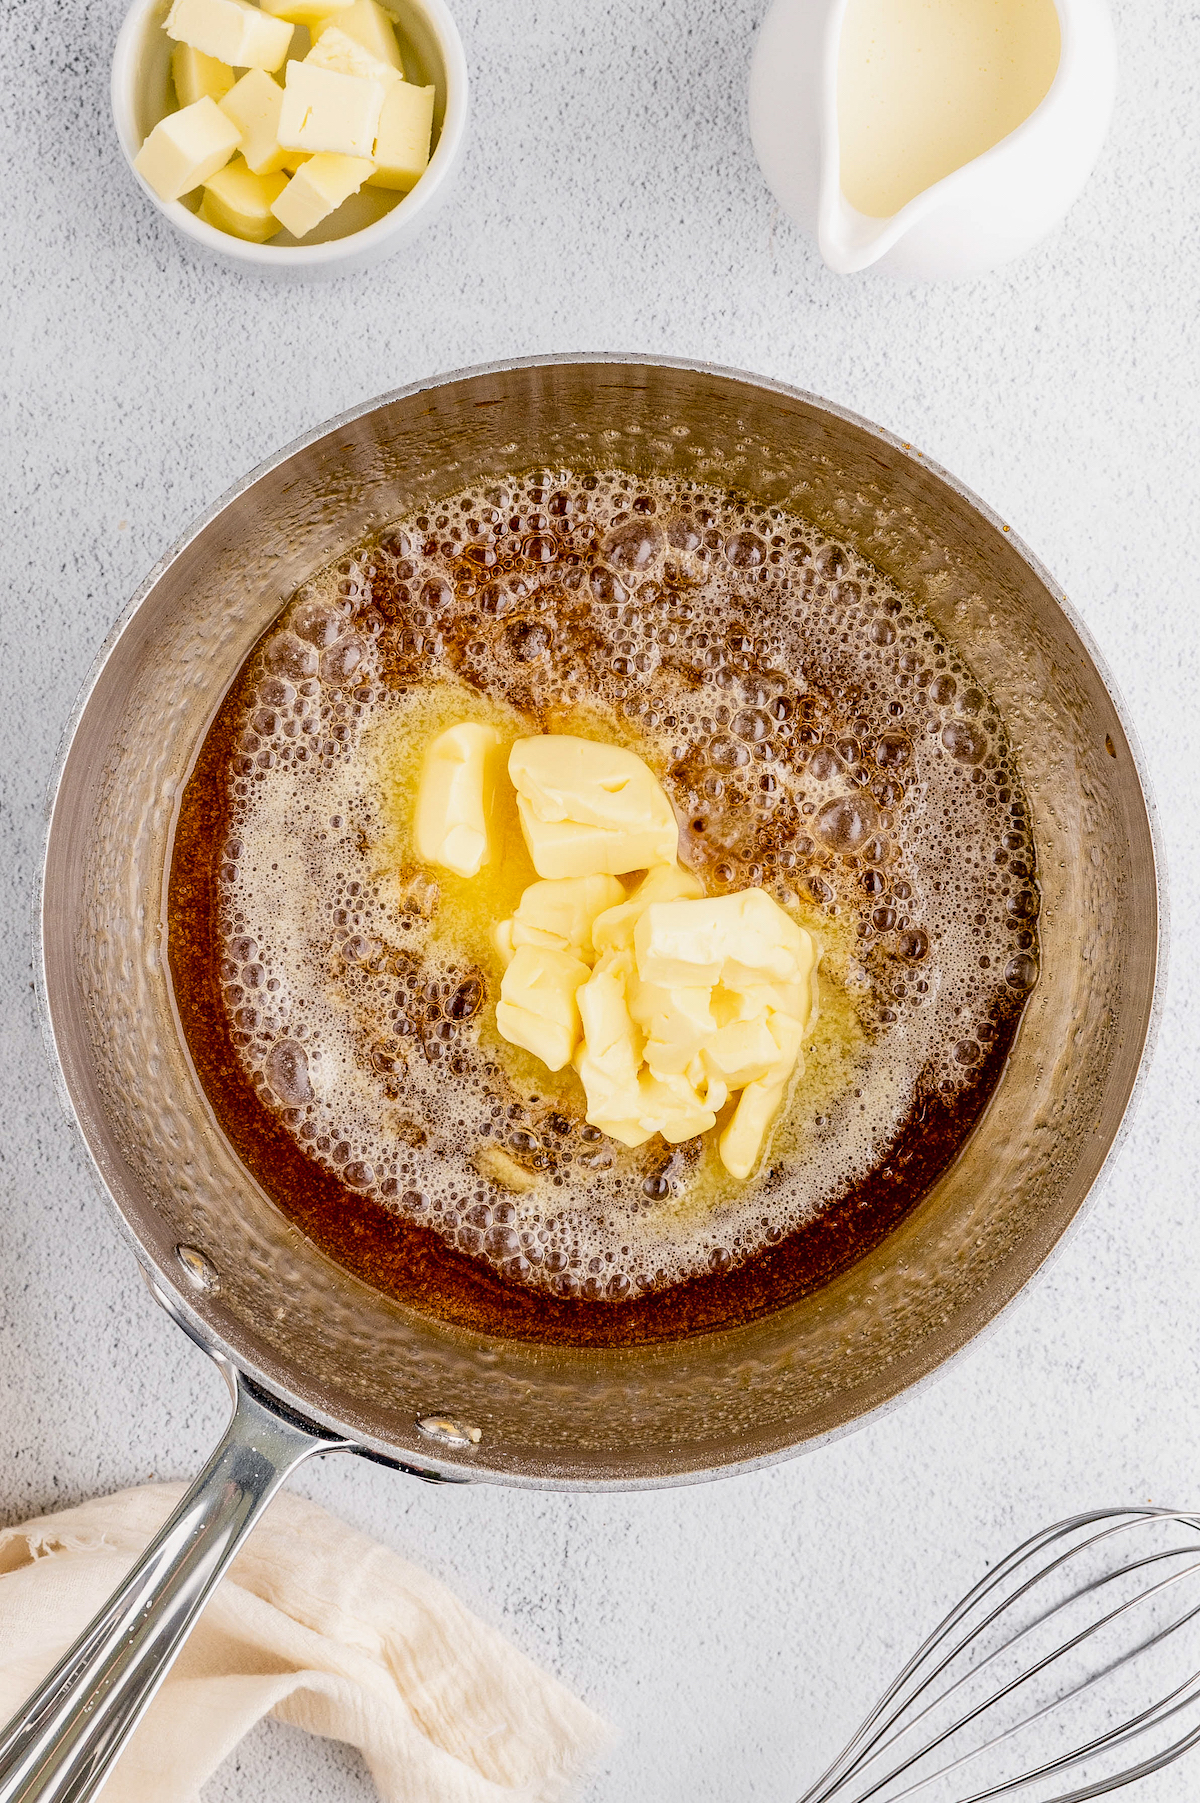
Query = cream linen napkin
x=316 y=1625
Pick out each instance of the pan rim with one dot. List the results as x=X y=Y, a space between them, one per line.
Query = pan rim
x=437 y=1462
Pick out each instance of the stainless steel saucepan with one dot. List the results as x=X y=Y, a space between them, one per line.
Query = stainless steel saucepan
x=316 y=1360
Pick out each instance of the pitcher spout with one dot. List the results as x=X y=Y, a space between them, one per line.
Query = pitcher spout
x=850 y=240
x=930 y=139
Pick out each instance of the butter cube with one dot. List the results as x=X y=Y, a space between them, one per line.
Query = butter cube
x=337 y=50
x=455 y=799
x=238 y=201
x=616 y=1111
x=366 y=21
x=677 y=1022
x=614 y=1042
x=185 y=148
x=743 y=1052
x=537 y=1007
x=714 y=1091
x=665 y=882
x=788 y=1034
x=325 y=111
x=317 y=189
x=254 y=105
x=587 y=808
x=627 y=1102
x=670 y=1106
x=313 y=13
x=748 y=1000
x=502 y=939
x=405 y=131
x=196 y=75
x=745 y=937
x=609 y=1059
x=560 y=914
x=742 y=1141
x=235 y=33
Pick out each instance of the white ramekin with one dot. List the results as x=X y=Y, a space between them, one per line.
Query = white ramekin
x=140 y=89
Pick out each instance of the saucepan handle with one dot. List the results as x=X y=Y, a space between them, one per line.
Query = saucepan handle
x=60 y=1745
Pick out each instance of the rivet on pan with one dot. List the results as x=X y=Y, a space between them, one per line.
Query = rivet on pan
x=199 y=1271
x=450 y=1433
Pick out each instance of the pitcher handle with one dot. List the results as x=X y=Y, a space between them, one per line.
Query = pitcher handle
x=59 y=1746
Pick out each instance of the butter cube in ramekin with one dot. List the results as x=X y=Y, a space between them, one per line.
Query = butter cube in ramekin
x=254 y=104
x=238 y=201
x=196 y=75
x=402 y=144
x=313 y=13
x=316 y=189
x=366 y=21
x=185 y=148
x=243 y=36
x=325 y=110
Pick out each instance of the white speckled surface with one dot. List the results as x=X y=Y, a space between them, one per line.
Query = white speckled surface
x=610 y=200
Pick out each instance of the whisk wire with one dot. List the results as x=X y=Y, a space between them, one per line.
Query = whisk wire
x=914 y=1697
x=1041 y=1665
x=974 y=1596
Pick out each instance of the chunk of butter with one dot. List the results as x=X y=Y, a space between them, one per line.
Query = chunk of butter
x=741 y=1142
x=624 y=1100
x=336 y=49
x=743 y=1052
x=610 y=1057
x=254 y=105
x=587 y=808
x=366 y=21
x=196 y=75
x=453 y=821
x=313 y=13
x=560 y=914
x=405 y=130
x=243 y=36
x=185 y=148
x=502 y=939
x=670 y=1106
x=537 y=1007
x=317 y=189
x=614 y=930
x=238 y=201
x=757 y=968
x=325 y=111
x=751 y=999
x=746 y=937
x=677 y=1022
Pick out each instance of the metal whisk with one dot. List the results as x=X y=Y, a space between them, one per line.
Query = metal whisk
x=1071 y=1669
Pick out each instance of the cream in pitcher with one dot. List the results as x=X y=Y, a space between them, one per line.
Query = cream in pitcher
x=924 y=86
x=930 y=138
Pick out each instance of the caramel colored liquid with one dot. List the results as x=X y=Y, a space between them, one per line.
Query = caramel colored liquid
x=815 y=735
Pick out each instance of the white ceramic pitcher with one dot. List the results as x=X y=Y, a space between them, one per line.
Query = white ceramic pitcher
x=989 y=210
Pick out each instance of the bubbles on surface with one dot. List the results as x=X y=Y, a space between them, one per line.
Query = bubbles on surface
x=344 y=663
x=964 y=741
x=288 y=655
x=745 y=550
x=286 y=1070
x=634 y=545
x=892 y=750
x=847 y=823
x=1021 y=971
x=816 y=736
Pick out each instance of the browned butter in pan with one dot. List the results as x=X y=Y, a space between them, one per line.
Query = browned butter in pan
x=817 y=737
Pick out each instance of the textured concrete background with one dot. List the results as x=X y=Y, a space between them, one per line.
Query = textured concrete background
x=610 y=200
